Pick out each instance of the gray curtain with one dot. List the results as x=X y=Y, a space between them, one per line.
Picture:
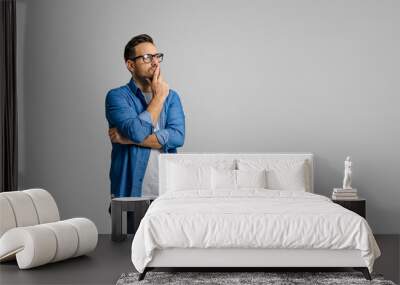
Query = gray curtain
x=8 y=99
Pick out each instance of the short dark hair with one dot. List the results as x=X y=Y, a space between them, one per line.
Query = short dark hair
x=130 y=46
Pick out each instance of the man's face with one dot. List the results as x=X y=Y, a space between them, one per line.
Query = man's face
x=139 y=67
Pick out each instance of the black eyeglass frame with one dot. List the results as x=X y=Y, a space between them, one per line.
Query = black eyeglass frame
x=159 y=55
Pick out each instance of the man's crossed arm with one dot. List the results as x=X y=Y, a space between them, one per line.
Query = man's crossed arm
x=132 y=128
x=150 y=141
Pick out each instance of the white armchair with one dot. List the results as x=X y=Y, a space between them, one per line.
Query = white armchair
x=31 y=230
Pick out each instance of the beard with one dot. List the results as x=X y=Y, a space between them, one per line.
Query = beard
x=146 y=76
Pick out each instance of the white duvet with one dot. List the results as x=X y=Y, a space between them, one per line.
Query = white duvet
x=250 y=218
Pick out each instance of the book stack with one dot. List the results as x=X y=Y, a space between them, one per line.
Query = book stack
x=344 y=194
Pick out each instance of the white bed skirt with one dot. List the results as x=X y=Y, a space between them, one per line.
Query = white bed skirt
x=236 y=257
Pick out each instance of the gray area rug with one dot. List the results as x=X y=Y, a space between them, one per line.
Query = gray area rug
x=229 y=278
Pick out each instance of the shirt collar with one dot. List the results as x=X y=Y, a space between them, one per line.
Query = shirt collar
x=133 y=86
x=136 y=91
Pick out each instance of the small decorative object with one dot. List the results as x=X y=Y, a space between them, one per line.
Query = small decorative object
x=347 y=174
x=347 y=192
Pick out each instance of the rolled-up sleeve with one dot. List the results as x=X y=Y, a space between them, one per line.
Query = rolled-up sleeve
x=162 y=136
x=175 y=124
x=129 y=123
x=145 y=116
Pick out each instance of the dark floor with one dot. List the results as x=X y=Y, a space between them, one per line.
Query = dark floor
x=111 y=259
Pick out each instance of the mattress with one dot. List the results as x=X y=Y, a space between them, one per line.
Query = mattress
x=251 y=218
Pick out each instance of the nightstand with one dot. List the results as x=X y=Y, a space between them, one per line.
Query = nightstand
x=358 y=206
x=137 y=205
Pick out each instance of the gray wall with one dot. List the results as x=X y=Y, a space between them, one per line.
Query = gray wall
x=260 y=76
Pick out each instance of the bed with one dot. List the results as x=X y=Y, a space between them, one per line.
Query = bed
x=245 y=211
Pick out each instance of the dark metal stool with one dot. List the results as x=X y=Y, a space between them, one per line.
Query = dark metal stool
x=132 y=205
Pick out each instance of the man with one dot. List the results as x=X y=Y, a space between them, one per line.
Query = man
x=145 y=118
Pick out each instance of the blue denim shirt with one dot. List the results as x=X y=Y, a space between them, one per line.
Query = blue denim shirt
x=126 y=110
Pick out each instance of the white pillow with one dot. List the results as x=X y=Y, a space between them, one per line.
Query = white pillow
x=183 y=177
x=252 y=178
x=236 y=179
x=223 y=179
x=286 y=174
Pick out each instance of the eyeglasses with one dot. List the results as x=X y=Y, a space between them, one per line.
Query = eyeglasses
x=147 y=58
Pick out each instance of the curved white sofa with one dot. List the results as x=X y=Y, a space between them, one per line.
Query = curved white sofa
x=32 y=233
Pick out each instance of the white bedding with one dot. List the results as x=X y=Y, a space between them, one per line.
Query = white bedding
x=250 y=218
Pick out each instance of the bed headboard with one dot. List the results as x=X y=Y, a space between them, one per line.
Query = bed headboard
x=164 y=158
